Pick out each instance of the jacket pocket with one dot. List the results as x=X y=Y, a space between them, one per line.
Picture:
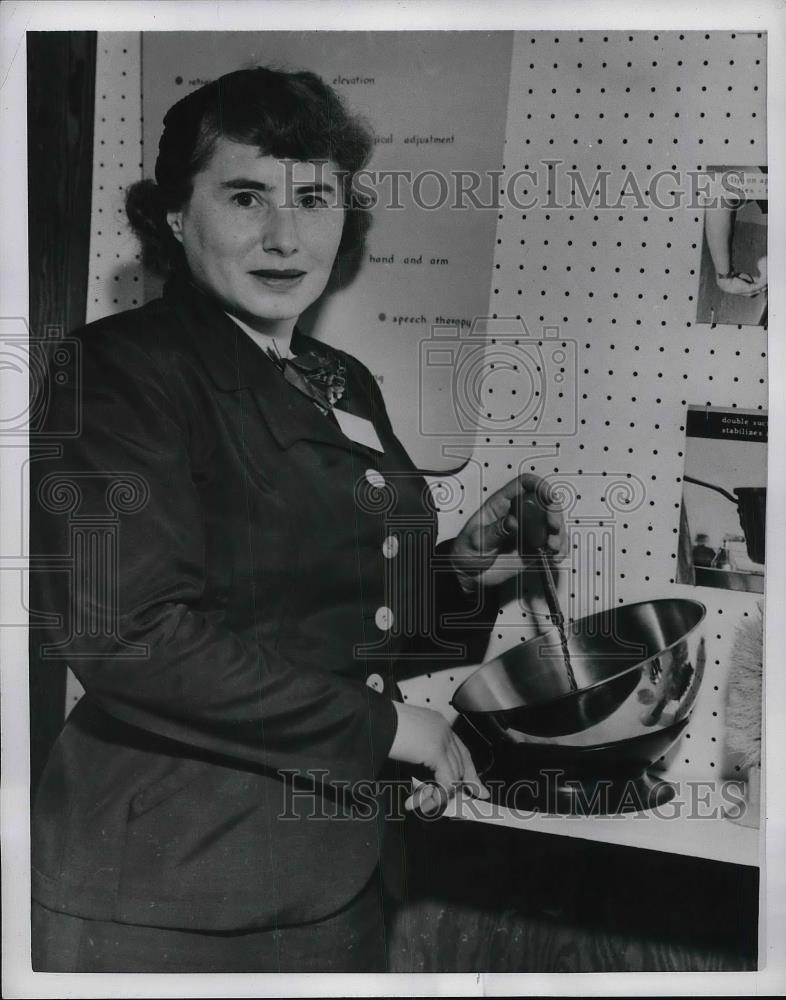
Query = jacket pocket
x=177 y=778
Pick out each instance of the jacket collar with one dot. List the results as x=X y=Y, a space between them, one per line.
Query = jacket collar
x=233 y=361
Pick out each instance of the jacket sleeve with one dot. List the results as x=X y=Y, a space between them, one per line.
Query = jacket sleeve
x=131 y=627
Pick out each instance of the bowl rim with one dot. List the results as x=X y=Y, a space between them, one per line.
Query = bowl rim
x=606 y=680
x=554 y=749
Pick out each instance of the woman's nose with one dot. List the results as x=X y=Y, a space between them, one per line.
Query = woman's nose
x=280 y=232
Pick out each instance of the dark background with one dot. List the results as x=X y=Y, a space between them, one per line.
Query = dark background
x=60 y=95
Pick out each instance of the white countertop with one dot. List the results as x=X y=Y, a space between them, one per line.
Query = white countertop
x=693 y=823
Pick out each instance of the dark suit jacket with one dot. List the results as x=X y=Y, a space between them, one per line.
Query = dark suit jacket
x=222 y=568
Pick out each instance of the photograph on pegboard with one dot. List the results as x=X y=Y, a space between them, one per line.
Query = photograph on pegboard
x=724 y=501
x=733 y=278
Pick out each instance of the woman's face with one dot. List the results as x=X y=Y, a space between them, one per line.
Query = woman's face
x=261 y=234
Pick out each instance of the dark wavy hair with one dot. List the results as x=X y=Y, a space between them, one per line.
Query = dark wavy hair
x=286 y=115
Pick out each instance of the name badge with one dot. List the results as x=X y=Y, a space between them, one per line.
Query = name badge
x=358 y=429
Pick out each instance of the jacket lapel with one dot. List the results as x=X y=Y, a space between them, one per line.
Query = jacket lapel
x=235 y=362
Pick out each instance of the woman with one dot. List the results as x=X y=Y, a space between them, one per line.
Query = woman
x=238 y=594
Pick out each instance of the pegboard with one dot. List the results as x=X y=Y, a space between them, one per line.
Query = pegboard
x=606 y=296
x=619 y=288
x=116 y=280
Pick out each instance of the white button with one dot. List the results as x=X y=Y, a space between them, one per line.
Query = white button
x=375 y=682
x=383 y=619
x=374 y=478
x=390 y=547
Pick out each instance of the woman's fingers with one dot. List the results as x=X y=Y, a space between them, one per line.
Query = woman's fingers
x=557 y=540
x=449 y=770
x=429 y=799
x=460 y=772
x=502 y=535
x=504 y=529
x=501 y=502
x=471 y=781
x=425 y=737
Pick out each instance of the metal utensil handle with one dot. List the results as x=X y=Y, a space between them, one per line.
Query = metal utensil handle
x=555 y=610
x=711 y=486
x=549 y=587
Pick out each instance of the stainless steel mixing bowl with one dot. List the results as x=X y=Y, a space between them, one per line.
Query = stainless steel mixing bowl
x=633 y=668
x=638 y=669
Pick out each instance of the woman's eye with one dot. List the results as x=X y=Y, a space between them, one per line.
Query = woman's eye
x=312 y=201
x=245 y=199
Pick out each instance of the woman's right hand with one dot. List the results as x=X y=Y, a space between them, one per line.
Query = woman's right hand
x=424 y=737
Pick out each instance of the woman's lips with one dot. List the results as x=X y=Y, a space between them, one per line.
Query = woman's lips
x=279 y=279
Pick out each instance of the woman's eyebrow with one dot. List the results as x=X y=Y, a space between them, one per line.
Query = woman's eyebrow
x=314 y=186
x=247 y=183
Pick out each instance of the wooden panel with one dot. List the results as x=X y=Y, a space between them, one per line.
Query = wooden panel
x=61 y=72
x=510 y=901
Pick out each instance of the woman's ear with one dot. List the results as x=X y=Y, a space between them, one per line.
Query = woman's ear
x=175 y=223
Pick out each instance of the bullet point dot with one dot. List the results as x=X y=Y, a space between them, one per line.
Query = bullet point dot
x=383 y=317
